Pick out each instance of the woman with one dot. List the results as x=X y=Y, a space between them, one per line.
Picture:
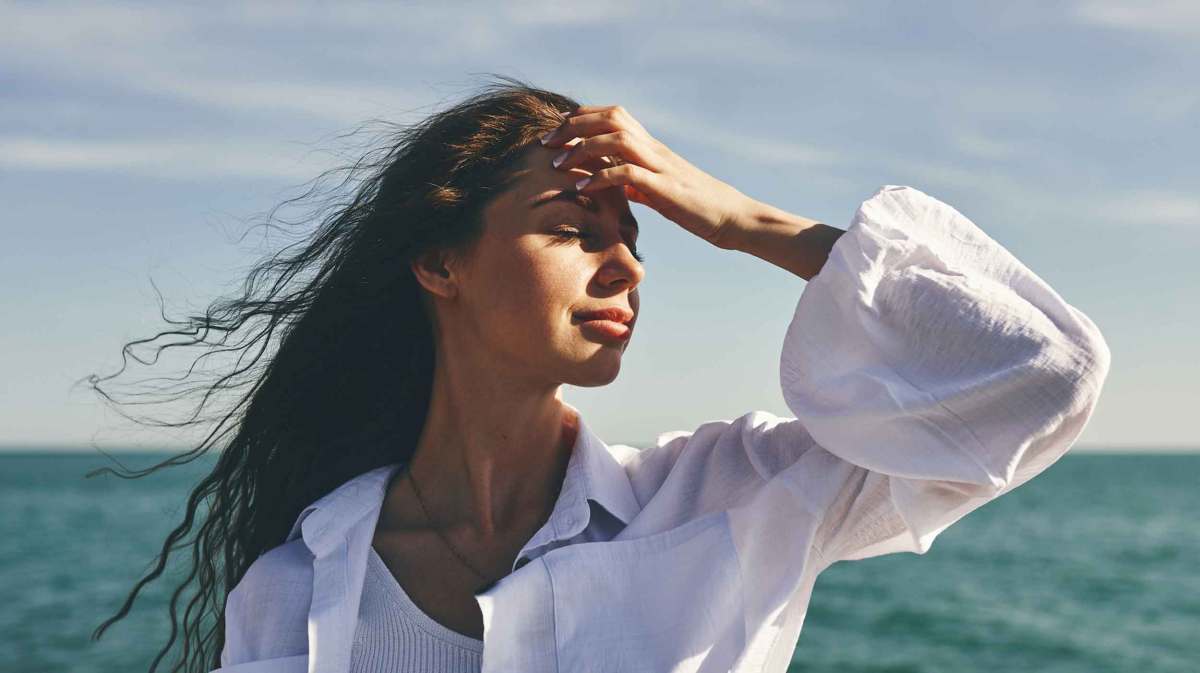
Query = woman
x=407 y=491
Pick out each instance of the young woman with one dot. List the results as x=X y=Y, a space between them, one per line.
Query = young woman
x=406 y=490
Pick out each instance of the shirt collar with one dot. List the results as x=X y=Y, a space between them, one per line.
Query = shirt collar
x=325 y=523
x=593 y=473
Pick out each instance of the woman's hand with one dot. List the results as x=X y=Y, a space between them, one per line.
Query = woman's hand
x=650 y=172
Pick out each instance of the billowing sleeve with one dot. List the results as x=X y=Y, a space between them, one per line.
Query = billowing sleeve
x=933 y=371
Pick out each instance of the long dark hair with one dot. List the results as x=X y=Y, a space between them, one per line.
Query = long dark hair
x=347 y=387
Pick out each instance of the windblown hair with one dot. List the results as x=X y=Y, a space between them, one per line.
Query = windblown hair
x=347 y=387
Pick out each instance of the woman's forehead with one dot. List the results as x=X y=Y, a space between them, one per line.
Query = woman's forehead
x=538 y=178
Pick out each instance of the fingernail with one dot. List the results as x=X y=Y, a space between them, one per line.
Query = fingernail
x=546 y=138
x=559 y=159
x=582 y=183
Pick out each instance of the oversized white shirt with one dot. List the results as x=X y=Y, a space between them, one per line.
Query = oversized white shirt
x=929 y=372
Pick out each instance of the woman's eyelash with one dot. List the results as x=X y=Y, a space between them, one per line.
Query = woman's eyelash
x=575 y=233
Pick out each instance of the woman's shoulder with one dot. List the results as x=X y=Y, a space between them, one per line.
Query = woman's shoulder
x=714 y=465
x=267 y=612
x=286 y=567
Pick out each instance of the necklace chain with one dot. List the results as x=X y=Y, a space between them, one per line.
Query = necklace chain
x=438 y=530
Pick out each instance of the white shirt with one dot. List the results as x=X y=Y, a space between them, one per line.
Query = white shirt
x=929 y=372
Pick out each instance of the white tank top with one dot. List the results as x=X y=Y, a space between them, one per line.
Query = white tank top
x=396 y=636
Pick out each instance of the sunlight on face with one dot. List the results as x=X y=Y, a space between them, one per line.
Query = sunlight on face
x=547 y=253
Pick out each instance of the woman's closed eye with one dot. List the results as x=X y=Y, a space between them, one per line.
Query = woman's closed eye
x=571 y=232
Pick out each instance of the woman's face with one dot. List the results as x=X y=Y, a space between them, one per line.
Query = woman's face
x=547 y=253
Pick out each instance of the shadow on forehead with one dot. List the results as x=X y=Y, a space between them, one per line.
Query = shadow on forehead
x=530 y=170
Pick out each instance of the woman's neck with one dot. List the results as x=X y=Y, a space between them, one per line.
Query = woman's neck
x=491 y=456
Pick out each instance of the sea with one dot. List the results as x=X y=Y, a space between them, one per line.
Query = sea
x=1091 y=567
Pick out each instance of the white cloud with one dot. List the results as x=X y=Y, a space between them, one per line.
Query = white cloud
x=1152 y=207
x=1008 y=192
x=760 y=149
x=1178 y=18
x=231 y=157
x=345 y=104
x=193 y=54
x=443 y=16
x=199 y=56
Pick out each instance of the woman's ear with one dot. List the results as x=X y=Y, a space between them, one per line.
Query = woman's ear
x=432 y=269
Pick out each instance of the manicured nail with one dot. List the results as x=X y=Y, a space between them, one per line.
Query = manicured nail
x=546 y=138
x=559 y=159
x=582 y=183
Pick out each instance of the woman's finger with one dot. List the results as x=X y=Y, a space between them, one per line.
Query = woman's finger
x=648 y=172
x=584 y=109
x=647 y=184
x=618 y=143
x=657 y=191
x=593 y=120
x=636 y=196
x=580 y=127
x=615 y=111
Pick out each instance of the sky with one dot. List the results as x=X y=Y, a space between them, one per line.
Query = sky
x=139 y=142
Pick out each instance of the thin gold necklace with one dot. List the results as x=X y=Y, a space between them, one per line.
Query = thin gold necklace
x=438 y=530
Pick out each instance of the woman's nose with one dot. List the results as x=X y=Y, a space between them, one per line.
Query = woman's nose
x=622 y=266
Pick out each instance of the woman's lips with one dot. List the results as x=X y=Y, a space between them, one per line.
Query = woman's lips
x=608 y=328
x=614 y=313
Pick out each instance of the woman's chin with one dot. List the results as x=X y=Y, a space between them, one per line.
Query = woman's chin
x=599 y=370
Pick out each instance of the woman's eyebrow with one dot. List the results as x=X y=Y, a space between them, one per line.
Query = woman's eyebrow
x=570 y=196
x=582 y=200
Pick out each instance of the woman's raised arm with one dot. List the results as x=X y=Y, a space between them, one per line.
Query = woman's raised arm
x=929 y=370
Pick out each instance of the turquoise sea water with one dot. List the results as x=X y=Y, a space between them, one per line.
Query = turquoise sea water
x=1093 y=566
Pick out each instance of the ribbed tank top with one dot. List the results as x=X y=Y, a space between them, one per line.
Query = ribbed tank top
x=395 y=636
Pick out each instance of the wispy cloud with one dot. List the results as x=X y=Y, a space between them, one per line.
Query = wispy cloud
x=1176 y=18
x=160 y=158
x=213 y=59
x=1154 y=207
x=226 y=57
x=754 y=148
x=1012 y=194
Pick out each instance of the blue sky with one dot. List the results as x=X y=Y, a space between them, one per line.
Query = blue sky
x=137 y=142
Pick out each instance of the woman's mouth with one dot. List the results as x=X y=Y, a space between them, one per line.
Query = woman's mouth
x=612 y=322
x=607 y=328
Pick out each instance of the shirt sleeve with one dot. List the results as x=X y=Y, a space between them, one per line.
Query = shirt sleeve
x=933 y=372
